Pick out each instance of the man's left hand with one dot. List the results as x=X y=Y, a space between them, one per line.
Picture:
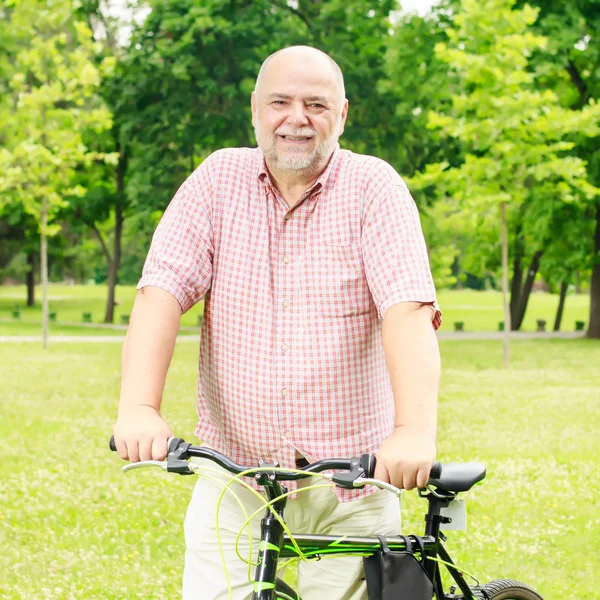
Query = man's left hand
x=405 y=458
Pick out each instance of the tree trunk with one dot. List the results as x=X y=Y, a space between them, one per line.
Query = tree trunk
x=115 y=263
x=564 y=286
x=505 y=286
x=594 y=326
x=526 y=291
x=44 y=271
x=30 y=279
x=517 y=280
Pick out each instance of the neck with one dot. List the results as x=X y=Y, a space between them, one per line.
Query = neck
x=293 y=184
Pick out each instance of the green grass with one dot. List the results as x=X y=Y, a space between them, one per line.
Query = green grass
x=27 y=328
x=72 y=526
x=480 y=311
x=70 y=302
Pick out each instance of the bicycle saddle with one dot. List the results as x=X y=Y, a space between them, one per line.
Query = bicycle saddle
x=459 y=477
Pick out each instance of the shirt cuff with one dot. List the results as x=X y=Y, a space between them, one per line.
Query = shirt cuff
x=399 y=297
x=169 y=283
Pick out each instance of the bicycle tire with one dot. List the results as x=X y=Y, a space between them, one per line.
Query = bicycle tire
x=509 y=589
x=284 y=592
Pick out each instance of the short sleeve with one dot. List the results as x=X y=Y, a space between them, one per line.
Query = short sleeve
x=394 y=251
x=180 y=257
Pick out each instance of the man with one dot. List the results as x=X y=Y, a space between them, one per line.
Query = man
x=318 y=335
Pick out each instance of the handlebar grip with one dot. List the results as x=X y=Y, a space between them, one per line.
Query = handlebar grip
x=172 y=443
x=369 y=461
x=436 y=470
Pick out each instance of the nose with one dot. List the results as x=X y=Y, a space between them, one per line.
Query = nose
x=297 y=115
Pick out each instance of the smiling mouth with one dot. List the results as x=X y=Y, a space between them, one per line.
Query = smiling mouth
x=295 y=138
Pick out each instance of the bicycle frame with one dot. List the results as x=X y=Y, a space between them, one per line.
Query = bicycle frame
x=274 y=544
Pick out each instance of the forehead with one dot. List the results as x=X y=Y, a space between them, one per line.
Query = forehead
x=299 y=74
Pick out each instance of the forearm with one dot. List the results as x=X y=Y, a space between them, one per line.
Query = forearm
x=413 y=360
x=148 y=348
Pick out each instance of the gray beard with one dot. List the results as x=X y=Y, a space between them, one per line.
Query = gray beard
x=313 y=162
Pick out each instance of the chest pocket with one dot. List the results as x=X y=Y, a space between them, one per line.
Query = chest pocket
x=337 y=286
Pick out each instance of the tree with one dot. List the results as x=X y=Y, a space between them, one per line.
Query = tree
x=572 y=29
x=568 y=256
x=19 y=246
x=515 y=136
x=417 y=81
x=52 y=86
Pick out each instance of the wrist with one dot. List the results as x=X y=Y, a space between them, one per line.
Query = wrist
x=415 y=430
x=136 y=408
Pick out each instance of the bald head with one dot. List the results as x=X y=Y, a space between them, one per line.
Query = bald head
x=307 y=58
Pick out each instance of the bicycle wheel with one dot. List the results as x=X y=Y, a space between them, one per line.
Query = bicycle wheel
x=508 y=589
x=284 y=592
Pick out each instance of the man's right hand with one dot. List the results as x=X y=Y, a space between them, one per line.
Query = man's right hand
x=141 y=434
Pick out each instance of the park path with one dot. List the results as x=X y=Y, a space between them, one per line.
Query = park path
x=442 y=335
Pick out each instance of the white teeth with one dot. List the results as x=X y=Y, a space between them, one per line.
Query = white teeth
x=295 y=139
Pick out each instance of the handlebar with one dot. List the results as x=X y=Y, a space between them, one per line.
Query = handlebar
x=357 y=468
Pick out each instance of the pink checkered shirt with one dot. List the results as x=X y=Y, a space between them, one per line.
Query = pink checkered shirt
x=291 y=357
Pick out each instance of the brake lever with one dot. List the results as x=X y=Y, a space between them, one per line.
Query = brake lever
x=361 y=481
x=161 y=464
x=176 y=460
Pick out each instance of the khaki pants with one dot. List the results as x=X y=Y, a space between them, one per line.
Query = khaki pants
x=313 y=512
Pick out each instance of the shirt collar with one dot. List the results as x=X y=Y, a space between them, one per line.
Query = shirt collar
x=265 y=177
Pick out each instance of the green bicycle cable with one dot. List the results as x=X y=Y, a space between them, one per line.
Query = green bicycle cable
x=266 y=503
x=453 y=566
x=218 y=534
x=269 y=503
x=226 y=488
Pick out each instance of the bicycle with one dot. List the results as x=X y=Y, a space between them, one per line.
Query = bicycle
x=445 y=483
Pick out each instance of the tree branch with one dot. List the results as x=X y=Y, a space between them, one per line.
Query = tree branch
x=102 y=242
x=578 y=82
x=297 y=13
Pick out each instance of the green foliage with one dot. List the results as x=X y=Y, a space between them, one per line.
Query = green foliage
x=479 y=124
x=571 y=67
x=518 y=139
x=418 y=81
x=52 y=87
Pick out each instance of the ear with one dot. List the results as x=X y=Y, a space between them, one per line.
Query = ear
x=344 y=116
x=253 y=105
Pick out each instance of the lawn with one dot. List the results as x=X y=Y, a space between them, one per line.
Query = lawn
x=480 y=311
x=70 y=302
x=74 y=527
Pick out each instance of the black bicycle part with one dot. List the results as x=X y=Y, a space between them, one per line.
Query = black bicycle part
x=271 y=540
x=363 y=466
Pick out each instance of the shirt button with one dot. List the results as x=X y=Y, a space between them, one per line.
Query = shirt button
x=286 y=260
x=287 y=433
x=285 y=304
x=287 y=216
x=284 y=392
x=284 y=347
